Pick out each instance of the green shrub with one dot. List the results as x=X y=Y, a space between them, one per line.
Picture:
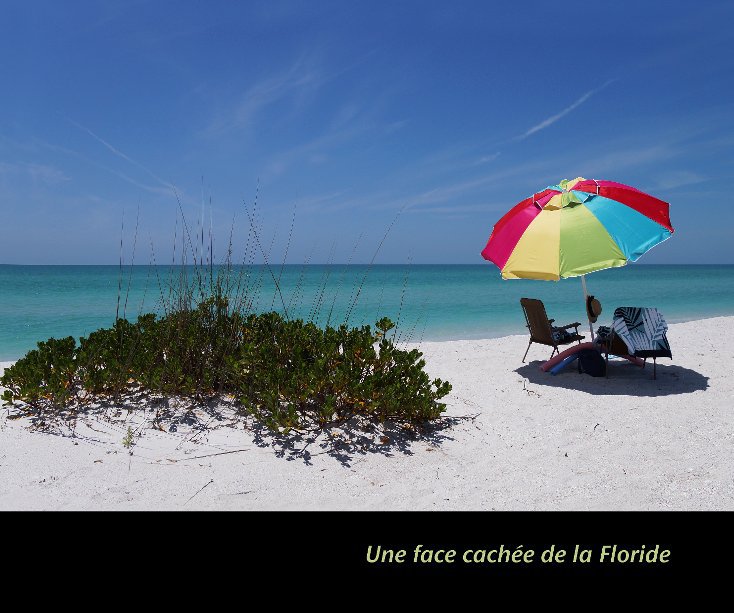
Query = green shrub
x=47 y=373
x=287 y=373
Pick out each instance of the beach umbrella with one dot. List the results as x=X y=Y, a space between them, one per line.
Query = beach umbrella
x=575 y=228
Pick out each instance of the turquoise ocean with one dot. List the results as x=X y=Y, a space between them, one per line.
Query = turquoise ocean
x=429 y=302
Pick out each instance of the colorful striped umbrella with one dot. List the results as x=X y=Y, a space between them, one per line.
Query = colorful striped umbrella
x=577 y=227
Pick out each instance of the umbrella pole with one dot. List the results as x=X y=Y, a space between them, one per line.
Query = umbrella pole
x=586 y=294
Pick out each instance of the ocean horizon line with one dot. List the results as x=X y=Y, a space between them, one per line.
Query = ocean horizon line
x=412 y=264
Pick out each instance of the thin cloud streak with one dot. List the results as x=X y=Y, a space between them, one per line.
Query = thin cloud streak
x=419 y=201
x=37 y=172
x=305 y=76
x=461 y=209
x=553 y=119
x=351 y=122
x=300 y=76
x=486 y=159
x=166 y=190
x=122 y=155
x=618 y=157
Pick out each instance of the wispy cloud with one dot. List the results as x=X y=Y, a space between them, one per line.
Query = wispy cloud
x=445 y=198
x=154 y=189
x=42 y=173
x=312 y=151
x=167 y=190
x=351 y=122
x=622 y=157
x=679 y=178
x=296 y=79
x=442 y=194
x=295 y=85
x=612 y=159
x=461 y=209
x=449 y=193
x=486 y=159
x=122 y=155
x=554 y=118
x=312 y=203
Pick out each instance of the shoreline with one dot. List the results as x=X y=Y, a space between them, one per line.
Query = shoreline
x=8 y=362
x=584 y=325
x=515 y=438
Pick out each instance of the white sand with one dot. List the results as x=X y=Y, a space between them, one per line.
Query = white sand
x=569 y=442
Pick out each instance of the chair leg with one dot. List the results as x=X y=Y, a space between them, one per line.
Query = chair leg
x=554 y=352
x=526 y=352
x=654 y=369
x=606 y=364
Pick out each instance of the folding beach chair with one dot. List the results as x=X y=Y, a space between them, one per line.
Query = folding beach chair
x=542 y=330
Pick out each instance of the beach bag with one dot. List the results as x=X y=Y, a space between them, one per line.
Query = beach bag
x=592 y=363
x=561 y=335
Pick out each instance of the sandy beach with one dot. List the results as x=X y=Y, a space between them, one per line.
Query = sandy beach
x=515 y=438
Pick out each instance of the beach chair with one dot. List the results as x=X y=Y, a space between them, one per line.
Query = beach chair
x=638 y=332
x=542 y=330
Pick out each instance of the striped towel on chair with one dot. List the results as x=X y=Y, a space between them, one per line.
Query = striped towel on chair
x=643 y=331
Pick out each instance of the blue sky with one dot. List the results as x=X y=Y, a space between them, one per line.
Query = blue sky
x=350 y=112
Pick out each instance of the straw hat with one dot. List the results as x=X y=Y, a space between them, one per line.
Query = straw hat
x=593 y=308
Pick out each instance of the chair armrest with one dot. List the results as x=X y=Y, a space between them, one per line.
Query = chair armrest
x=574 y=325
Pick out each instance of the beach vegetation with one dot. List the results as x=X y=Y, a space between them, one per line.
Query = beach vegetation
x=129 y=439
x=44 y=374
x=289 y=374
x=209 y=341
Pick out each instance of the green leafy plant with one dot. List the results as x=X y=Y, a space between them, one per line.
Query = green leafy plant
x=44 y=374
x=289 y=374
x=128 y=441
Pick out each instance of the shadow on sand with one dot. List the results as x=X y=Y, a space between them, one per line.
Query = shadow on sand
x=351 y=439
x=194 y=419
x=625 y=379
